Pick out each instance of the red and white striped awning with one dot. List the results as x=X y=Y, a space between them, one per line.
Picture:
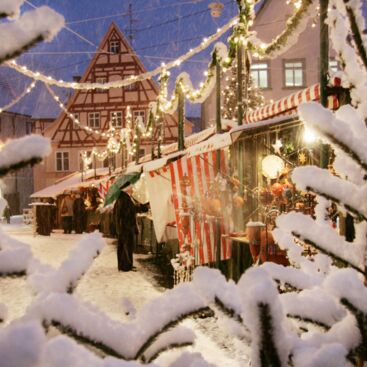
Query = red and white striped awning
x=288 y=104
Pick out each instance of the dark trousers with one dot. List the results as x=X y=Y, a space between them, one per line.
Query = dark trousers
x=125 y=249
x=79 y=223
x=67 y=224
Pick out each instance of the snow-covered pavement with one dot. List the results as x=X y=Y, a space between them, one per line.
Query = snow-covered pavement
x=109 y=290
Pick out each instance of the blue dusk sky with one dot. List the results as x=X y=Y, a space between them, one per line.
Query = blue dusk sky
x=162 y=30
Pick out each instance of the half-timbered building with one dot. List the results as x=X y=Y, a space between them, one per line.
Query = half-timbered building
x=101 y=108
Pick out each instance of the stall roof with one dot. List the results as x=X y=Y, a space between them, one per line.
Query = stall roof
x=70 y=182
x=161 y=162
x=238 y=130
x=215 y=142
x=290 y=103
x=189 y=140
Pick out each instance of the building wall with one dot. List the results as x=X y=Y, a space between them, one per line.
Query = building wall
x=270 y=21
x=68 y=137
x=18 y=186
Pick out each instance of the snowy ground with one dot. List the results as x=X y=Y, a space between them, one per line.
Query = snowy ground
x=107 y=288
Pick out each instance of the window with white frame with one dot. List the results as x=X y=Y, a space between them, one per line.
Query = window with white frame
x=116 y=119
x=294 y=73
x=115 y=47
x=62 y=161
x=260 y=74
x=75 y=125
x=94 y=120
x=334 y=66
x=139 y=113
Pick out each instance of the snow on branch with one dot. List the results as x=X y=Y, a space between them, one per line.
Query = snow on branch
x=313 y=305
x=85 y=322
x=66 y=277
x=21 y=344
x=271 y=343
x=14 y=256
x=354 y=74
x=296 y=278
x=349 y=136
x=176 y=338
x=18 y=153
x=323 y=183
x=10 y=8
x=32 y=27
x=324 y=237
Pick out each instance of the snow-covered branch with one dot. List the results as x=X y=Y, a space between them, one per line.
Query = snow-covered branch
x=24 y=151
x=32 y=27
x=66 y=277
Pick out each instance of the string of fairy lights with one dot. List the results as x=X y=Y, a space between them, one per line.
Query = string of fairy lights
x=26 y=91
x=221 y=55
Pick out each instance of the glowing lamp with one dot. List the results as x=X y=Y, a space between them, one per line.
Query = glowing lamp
x=272 y=166
x=309 y=136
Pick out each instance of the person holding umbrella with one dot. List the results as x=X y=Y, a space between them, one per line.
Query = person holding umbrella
x=124 y=213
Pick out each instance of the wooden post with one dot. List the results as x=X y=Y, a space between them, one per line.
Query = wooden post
x=239 y=83
x=137 y=143
x=324 y=68
x=324 y=51
x=218 y=231
x=95 y=166
x=181 y=118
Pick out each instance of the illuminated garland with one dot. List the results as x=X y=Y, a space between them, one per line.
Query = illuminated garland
x=17 y=99
x=207 y=41
x=295 y=26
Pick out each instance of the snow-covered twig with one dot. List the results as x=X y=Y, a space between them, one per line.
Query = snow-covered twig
x=32 y=27
x=28 y=150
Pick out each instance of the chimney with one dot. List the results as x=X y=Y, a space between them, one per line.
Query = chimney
x=76 y=78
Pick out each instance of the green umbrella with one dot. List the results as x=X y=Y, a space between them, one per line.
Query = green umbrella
x=122 y=181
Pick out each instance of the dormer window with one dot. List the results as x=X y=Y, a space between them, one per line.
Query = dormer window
x=115 y=47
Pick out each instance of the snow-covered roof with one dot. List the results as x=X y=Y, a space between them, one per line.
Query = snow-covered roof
x=70 y=182
x=217 y=141
x=161 y=162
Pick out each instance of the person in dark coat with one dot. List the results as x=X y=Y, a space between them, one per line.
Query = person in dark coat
x=79 y=214
x=124 y=213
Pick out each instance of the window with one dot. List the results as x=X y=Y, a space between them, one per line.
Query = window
x=260 y=74
x=62 y=161
x=28 y=127
x=294 y=73
x=115 y=47
x=94 y=119
x=75 y=125
x=139 y=113
x=116 y=119
x=101 y=80
x=131 y=87
x=334 y=66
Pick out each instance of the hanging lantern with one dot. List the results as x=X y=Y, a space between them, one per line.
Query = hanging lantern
x=216 y=8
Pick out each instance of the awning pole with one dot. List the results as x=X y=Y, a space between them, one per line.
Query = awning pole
x=181 y=118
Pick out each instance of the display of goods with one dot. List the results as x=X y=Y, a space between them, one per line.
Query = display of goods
x=266 y=197
x=238 y=201
x=253 y=231
x=270 y=251
x=215 y=207
x=277 y=189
